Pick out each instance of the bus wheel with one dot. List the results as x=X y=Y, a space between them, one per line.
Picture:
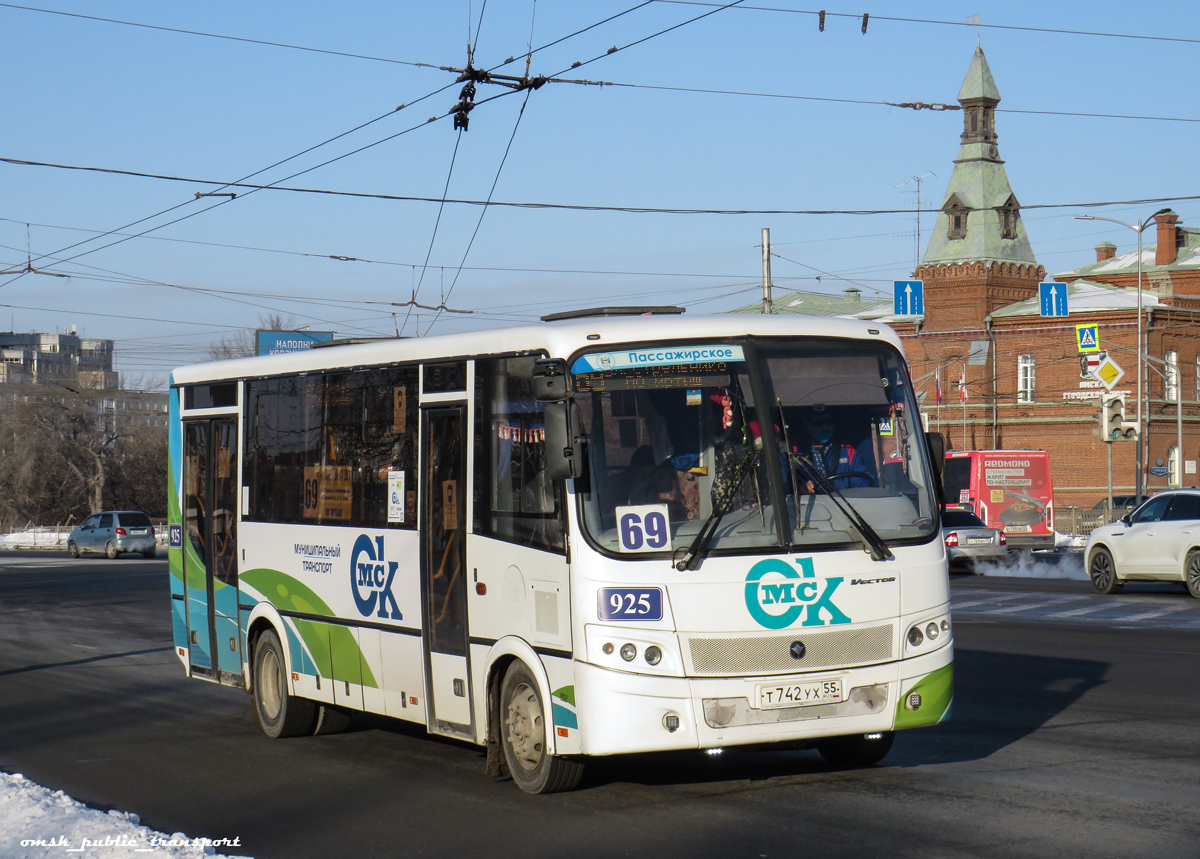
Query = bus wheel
x=330 y=720
x=1103 y=572
x=73 y=549
x=279 y=713
x=856 y=750
x=110 y=551
x=523 y=736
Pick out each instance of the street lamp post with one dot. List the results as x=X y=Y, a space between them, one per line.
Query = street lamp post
x=1141 y=439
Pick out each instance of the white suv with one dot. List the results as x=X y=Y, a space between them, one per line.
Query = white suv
x=1160 y=541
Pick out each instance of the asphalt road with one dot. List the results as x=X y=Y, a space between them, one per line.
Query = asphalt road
x=1073 y=735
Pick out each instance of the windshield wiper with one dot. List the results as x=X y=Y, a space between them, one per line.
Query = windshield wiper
x=872 y=542
x=721 y=504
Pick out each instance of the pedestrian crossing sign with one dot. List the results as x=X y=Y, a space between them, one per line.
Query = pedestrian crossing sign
x=1087 y=338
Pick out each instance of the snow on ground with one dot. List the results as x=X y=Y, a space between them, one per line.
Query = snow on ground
x=37 y=538
x=52 y=538
x=36 y=823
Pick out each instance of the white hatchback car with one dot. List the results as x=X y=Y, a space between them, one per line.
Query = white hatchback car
x=1159 y=541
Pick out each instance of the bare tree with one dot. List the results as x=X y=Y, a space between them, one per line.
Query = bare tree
x=240 y=344
x=61 y=442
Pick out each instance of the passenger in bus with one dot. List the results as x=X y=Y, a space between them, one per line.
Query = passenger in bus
x=650 y=483
x=830 y=449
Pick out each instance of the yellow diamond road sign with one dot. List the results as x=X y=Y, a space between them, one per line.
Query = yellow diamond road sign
x=1109 y=372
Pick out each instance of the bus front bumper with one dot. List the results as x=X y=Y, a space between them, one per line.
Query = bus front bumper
x=622 y=712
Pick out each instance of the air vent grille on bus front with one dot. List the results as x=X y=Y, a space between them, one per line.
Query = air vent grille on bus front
x=772 y=654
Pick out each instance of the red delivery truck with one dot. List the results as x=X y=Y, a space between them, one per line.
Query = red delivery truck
x=1007 y=489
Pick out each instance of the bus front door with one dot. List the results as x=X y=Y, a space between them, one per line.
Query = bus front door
x=210 y=549
x=444 y=579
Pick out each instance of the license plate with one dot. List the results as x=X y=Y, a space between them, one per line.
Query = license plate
x=980 y=541
x=1018 y=529
x=137 y=531
x=804 y=694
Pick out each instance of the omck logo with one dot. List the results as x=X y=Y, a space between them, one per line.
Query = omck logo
x=371 y=579
x=776 y=595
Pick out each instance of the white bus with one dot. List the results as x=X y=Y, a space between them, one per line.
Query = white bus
x=603 y=534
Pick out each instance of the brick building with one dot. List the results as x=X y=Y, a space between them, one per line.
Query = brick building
x=1026 y=386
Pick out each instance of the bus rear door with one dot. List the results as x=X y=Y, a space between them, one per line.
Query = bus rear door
x=210 y=548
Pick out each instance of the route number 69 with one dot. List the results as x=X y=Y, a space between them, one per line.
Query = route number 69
x=644 y=528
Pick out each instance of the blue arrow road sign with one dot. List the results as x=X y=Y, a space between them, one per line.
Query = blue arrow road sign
x=908 y=297
x=1053 y=299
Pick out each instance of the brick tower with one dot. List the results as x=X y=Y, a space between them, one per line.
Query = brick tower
x=978 y=258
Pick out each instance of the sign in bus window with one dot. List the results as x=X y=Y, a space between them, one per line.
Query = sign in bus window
x=644 y=528
x=396 y=496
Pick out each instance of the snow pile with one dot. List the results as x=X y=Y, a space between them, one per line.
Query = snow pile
x=1032 y=565
x=37 y=823
x=37 y=538
x=52 y=538
x=1065 y=542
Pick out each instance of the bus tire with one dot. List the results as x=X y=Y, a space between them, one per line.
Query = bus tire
x=523 y=736
x=110 y=551
x=1103 y=572
x=856 y=750
x=330 y=720
x=280 y=713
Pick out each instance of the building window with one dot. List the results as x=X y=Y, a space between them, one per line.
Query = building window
x=1171 y=382
x=1008 y=218
x=1173 y=465
x=957 y=219
x=1025 y=378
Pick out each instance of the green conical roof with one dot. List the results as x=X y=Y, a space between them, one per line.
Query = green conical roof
x=979 y=185
x=979 y=82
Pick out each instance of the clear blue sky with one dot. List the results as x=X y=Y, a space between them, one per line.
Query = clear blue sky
x=88 y=93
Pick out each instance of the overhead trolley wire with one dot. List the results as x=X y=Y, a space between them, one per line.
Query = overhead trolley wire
x=880 y=103
x=858 y=17
x=433 y=238
x=482 y=212
x=654 y=210
x=187 y=32
x=615 y=49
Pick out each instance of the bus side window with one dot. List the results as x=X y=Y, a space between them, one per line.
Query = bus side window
x=389 y=450
x=277 y=447
x=514 y=500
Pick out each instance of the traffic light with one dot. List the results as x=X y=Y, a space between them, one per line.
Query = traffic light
x=1113 y=425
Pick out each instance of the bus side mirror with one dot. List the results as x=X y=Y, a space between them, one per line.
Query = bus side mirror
x=564 y=454
x=937 y=451
x=549 y=380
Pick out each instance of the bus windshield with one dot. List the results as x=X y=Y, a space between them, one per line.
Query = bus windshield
x=675 y=445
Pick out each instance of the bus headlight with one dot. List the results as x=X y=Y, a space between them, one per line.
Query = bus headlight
x=915 y=637
x=932 y=631
x=628 y=652
x=653 y=655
